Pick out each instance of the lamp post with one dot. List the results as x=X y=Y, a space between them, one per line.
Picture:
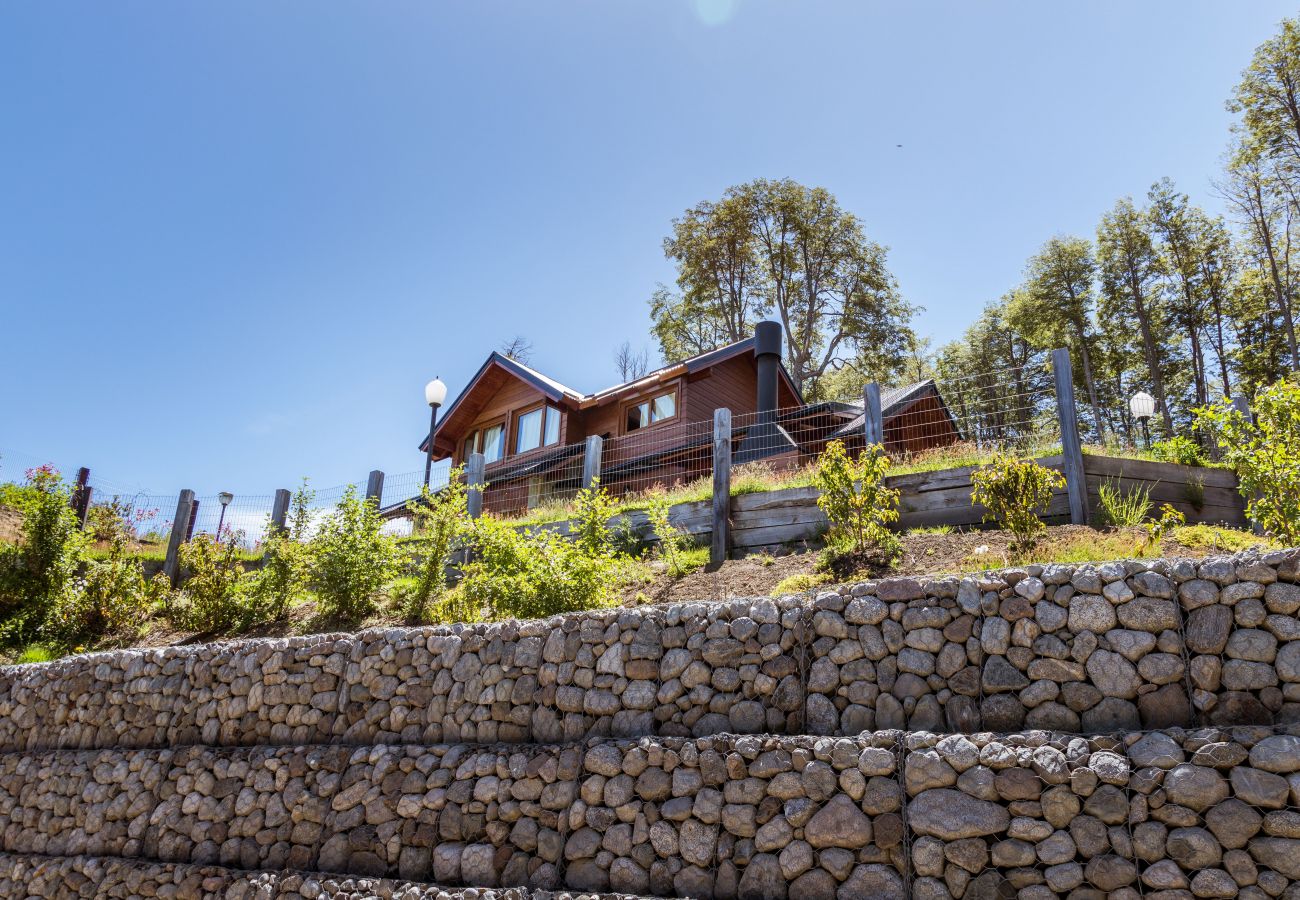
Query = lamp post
x=1143 y=407
x=434 y=393
x=224 y=499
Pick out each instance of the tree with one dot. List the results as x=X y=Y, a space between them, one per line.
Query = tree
x=1056 y=307
x=518 y=348
x=1179 y=230
x=631 y=364
x=783 y=249
x=1268 y=98
x=1130 y=269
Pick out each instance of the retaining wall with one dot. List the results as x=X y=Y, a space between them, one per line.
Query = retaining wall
x=1087 y=648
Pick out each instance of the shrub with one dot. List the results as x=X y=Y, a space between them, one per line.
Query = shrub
x=1158 y=529
x=592 y=510
x=50 y=550
x=1016 y=492
x=112 y=596
x=1178 y=449
x=214 y=598
x=352 y=559
x=1123 y=509
x=442 y=520
x=1265 y=454
x=855 y=499
x=533 y=574
x=673 y=542
x=286 y=564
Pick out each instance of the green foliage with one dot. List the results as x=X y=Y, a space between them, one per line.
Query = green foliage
x=286 y=564
x=592 y=510
x=37 y=653
x=109 y=520
x=1016 y=492
x=214 y=598
x=50 y=550
x=1123 y=509
x=1212 y=538
x=855 y=499
x=111 y=597
x=442 y=520
x=673 y=542
x=533 y=574
x=1178 y=449
x=1158 y=529
x=1265 y=454
x=803 y=581
x=353 y=559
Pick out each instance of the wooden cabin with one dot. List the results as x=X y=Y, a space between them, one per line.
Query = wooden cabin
x=655 y=430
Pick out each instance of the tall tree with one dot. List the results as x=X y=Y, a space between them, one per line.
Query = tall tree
x=1268 y=99
x=781 y=248
x=1178 y=229
x=1218 y=262
x=1130 y=269
x=1056 y=306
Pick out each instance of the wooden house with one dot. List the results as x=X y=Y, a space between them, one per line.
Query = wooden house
x=657 y=429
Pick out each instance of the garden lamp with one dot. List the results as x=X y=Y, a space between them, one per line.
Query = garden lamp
x=224 y=499
x=434 y=393
x=1143 y=406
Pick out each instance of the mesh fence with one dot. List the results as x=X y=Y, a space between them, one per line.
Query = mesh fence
x=657 y=458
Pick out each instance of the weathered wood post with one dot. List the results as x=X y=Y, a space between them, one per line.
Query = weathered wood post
x=721 y=544
x=591 y=460
x=375 y=487
x=81 y=492
x=1071 y=449
x=873 y=421
x=194 y=518
x=180 y=524
x=474 y=478
x=280 y=510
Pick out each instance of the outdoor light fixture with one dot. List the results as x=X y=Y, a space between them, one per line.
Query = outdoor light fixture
x=224 y=499
x=1143 y=406
x=434 y=393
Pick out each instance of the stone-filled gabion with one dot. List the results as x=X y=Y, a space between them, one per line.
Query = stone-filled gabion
x=42 y=877
x=733 y=667
x=70 y=802
x=891 y=655
x=124 y=879
x=253 y=808
x=598 y=675
x=1030 y=815
x=1217 y=811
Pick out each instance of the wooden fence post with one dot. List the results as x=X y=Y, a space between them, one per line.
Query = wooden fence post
x=873 y=421
x=81 y=496
x=194 y=518
x=474 y=478
x=1071 y=450
x=721 y=543
x=180 y=524
x=280 y=510
x=375 y=487
x=591 y=460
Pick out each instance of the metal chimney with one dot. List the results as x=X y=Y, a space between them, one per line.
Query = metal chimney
x=765 y=437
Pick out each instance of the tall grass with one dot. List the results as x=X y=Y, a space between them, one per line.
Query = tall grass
x=1123 y=509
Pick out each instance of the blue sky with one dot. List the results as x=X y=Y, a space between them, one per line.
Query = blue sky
x=236 y=239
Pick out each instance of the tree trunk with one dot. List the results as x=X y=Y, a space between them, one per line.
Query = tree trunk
x=1152 y=358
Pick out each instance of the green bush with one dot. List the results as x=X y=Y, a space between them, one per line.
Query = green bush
x=442 y=520
x=113 y=596
x=1016 y=492
x=51 y=549
x=1178 y=449
x=1158 y=529
x=674 y=544
x=1123 y=509
x=855 y=499
x=286 y=563
x=1265 y=454
x=352 y=559
x=592 y=510
x=214 y=597
x=530 y=575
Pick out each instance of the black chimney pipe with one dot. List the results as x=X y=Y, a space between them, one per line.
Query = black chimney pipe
x=766 y=438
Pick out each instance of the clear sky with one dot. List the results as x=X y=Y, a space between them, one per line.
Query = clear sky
x=237 y=238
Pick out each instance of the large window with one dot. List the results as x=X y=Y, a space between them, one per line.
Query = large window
x=647 y=412
x=490 y=441
x=537 y=428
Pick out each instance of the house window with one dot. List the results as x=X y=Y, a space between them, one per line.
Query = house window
x=489 y=441
x=647 y=412
x=537 y=428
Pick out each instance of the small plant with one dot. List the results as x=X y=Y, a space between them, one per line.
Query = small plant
x=1178 y=449
x=112 y=596
x=1158 y=529
x=1194 y=492
x=352 y=559
x=211 y=588
x=442 y=520
x=932 y=529
x=1016 y=492
x=37 y=653
x=673 y=542
x=592 y=510
x=1265 y=453
x=1123 y=509
x=856 y=501
x=286 y=563
x=50 y=550
x=804 y=581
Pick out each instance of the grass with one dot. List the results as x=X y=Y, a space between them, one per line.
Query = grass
x=932 y=529
x=37 y=653
x=803 y=581
x=1211 y=538
x=1120 y=508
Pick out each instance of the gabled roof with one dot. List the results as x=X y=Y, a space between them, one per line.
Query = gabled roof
x=892 y=401
x=559 y=393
